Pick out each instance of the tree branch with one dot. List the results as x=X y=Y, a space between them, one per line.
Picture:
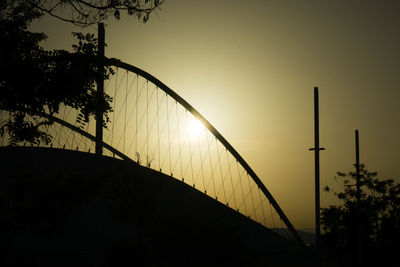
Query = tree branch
x=50 y=12
x=77 y=9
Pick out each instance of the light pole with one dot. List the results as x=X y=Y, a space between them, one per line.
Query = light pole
x=316 y=149
x=359 y=229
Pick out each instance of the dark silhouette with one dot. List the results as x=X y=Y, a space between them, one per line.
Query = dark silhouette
x=35 y=81
x=316 y=149
x=88 y=216
x=69 y=208
x=377 y=214
x=88 y=12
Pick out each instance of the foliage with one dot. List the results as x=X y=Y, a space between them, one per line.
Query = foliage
x=84 y=13
x=35 y=81
x=377 y=214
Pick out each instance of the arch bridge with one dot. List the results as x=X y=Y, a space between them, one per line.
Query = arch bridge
x=155 y=127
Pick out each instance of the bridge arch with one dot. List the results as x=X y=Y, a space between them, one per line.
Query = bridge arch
x=146 y=131
x=217 y=135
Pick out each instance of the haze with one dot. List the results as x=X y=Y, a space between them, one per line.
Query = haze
x=250 y=67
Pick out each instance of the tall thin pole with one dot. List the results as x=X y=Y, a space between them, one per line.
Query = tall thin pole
x=100 y=89
x=357 y=167
x=316 y=149
x=358 y=196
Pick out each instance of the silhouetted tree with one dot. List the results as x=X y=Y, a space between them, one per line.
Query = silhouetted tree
x=34 y=81
x=88 y=12
x=378 y=215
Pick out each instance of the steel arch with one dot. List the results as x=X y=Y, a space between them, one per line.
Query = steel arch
x=213 y=130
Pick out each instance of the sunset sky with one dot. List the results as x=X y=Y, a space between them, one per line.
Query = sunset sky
x=250 y=68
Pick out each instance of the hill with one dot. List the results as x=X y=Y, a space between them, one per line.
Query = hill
x=69 y=208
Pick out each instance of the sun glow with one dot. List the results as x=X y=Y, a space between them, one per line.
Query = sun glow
x=195 y=129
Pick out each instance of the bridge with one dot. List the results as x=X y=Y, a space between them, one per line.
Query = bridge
x=153 y=126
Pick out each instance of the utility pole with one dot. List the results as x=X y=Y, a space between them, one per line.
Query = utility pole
x=358 y=168
x=358 y=196
x=100 y=89
x=316 y=149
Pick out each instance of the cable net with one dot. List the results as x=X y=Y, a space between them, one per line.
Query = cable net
x=153 y=129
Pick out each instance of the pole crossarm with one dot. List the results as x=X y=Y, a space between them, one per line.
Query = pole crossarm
x=320 y=148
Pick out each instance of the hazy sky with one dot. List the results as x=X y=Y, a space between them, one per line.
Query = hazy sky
x=250 y=67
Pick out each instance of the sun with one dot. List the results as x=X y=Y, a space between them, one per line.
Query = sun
x=195 y=129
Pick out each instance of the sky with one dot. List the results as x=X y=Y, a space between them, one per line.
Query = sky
x=250 y=67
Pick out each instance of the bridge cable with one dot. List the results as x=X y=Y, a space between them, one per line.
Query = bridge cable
x=137 y=125
x=230 y=175
x=220 y=169
x=126 y=107
x=150 y=131
x=262 y=206
x=147 y=122
x=163 y=129
x=71 y=143
x=136 y=120
x=251 y=192
x=130 y=117
x=272 y=217
x=241 y=187
x=73 y=133
x=190 y=152
x=201 y=165
x=179 y=137
x=175 y=161
x=59 y=131
x=175 y=136
x=152 y=152
x=122 y=107
x=115 y=103
x=169 y=138
x=211 y=165
x=158 y=132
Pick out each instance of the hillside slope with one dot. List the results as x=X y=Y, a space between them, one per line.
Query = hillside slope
x=69 y=208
